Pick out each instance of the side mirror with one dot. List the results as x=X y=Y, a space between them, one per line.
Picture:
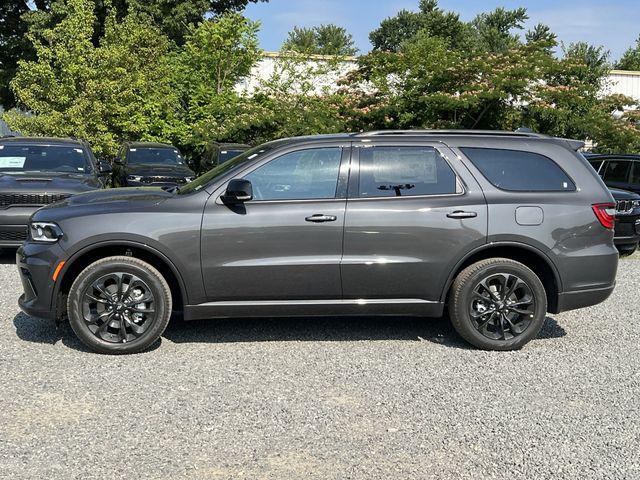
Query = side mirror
x=118 y=161
x=238 y=191
x=104 y=168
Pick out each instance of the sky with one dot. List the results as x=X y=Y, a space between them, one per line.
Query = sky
x=614 y=24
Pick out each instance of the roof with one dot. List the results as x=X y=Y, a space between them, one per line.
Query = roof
x=43 y=140
x=438 y=134
x=149 y=145
x=596 y=156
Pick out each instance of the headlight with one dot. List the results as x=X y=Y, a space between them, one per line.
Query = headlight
x=45 y=232
x=134 y=178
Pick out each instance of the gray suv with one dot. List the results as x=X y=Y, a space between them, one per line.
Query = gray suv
x=498 y=228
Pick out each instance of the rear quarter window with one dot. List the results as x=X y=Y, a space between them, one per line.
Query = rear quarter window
x=519 y=171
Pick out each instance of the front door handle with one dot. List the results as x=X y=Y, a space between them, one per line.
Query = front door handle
x=461 y=214
x=319 y=218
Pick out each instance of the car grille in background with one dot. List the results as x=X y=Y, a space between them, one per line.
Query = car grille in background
x=162 y=180
x=13 y=235
x=11 y=199
x=624 y=206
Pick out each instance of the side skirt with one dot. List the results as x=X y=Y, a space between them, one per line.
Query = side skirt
x=317 y=308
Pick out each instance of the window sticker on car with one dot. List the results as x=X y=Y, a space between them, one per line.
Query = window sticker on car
x=12 y=162
x=79 y=150
x=133 y=150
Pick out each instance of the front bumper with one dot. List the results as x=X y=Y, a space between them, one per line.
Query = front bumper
x=14 y=222
x=36 y=263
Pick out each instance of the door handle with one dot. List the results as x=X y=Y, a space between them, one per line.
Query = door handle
x=319 y=218
x=461 y=214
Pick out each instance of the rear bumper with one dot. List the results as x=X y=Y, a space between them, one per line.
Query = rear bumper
x=583 y=298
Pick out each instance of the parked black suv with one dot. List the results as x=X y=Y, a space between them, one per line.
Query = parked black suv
x=617 y=171
x=627 y=228
x=500 y=228
x=39 y=171
x=150 y=164
x=215 y=154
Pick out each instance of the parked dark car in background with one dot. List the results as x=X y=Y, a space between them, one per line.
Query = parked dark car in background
x=39 y=171
x=627 y=229
x=617 y=171
x=149 y=164
x=498 y=227
x=218 y=153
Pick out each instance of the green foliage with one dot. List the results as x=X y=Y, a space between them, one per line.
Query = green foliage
x=631 y=58
x=13 y=45
x=218 y=53
x=488 y=77
x=106 y=94
x=405 y=26
x=321 y=40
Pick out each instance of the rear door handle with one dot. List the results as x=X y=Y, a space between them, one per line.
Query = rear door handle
x=461 y=214
x=319 y=218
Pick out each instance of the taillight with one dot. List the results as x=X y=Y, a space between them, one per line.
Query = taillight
x=606 y=213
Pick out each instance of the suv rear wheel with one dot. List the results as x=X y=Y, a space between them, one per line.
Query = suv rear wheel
x=497 y=304
x=119 y=305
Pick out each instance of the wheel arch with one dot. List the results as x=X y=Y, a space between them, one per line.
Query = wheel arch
x=529 y=256
x=84 y=257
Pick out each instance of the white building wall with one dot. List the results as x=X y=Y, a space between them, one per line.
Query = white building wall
x=620 y=81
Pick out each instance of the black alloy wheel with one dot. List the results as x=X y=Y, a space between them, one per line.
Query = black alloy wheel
x=502 y=306
x=118 y=307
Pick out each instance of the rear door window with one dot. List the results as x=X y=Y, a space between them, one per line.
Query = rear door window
x=635 y=173
x=617 y=171
x=404 y=171
x=520 y=171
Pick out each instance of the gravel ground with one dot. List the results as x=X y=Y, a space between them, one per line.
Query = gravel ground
x=328 y=398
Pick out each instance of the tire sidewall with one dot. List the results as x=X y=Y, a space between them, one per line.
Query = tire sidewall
x=465 y=325
x=149 y=275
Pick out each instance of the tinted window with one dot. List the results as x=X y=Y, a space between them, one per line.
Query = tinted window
x=635 y=173
x=519 y=171
x=596 y=164
x=617 y=171
x=45 y=158
x=404 y=171
x=301 y=175
x=154 y=156
x=226 y=155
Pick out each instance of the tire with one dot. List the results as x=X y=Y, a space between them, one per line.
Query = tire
x=627 y=251
x=119 y=305
x=471 y=304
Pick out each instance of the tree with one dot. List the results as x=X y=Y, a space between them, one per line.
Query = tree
x=173 y=17
x=394 y=31
x=217 y=54
x=322 y=40
x=631 y=58
x=13 y=45
x=118 y=90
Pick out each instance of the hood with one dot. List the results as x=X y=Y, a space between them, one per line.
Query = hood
x=104 y=201
x=47 y=182
x=149 y=170
x=623 y=194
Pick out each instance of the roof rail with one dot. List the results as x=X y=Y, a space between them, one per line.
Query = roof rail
x=501 y=133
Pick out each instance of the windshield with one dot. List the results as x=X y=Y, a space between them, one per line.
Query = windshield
x=42 y=158
x=154 y=156
x=226 y=155
x=224 y=168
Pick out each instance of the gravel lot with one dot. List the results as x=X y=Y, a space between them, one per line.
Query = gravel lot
x=329 y=398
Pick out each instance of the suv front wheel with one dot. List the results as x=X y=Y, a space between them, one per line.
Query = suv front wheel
x=497 y=304
x=119 y=305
